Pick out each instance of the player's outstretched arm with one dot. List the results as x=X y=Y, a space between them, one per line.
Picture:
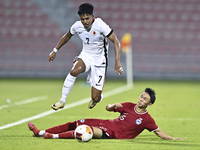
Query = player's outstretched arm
x=118 y=66
x=110 y=107
x=62 y=42
x=165 y=136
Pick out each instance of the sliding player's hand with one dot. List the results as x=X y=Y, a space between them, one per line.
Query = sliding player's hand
x=177 y=138
x=118 y=105
x=111 y=107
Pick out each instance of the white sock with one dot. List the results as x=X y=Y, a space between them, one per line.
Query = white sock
x=68 y=84
x=55 y=136
x=101 y=97
x=41 y=133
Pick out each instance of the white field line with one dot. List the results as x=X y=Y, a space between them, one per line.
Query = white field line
x=30 y=100
x=83 y=101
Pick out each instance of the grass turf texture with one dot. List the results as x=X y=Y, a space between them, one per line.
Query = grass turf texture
x=176 y=112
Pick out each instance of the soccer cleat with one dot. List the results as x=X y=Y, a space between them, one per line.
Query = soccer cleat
x=48 y=135
x=58 y=105
x=33 y=128
x=92 y=104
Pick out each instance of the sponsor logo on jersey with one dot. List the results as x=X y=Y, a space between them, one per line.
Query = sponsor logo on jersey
x=138 y=121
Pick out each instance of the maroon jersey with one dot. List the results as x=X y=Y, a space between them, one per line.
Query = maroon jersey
x=131 y=123
x=127 y=126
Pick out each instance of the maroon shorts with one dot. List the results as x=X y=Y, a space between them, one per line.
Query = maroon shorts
x=99 y=123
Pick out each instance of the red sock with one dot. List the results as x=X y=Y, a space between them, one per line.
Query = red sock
x=62 y=128
x=67 y=135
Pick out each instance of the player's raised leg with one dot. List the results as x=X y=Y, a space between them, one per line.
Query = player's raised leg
x=68 y=84
x=78 y=67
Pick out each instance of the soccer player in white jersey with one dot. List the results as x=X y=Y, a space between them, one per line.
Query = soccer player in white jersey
x=93 y=58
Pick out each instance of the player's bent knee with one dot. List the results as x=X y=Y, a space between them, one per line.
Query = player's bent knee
x=74 y=72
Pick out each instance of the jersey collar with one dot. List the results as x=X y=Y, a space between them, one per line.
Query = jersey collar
x=139 y=112
x=88 y=29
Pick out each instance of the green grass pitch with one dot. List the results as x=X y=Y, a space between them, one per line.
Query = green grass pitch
x=176 y=112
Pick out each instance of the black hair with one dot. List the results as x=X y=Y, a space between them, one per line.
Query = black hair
x=85 y=8
x=151 y=94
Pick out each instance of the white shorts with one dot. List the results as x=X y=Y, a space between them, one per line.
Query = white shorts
x=96 y=68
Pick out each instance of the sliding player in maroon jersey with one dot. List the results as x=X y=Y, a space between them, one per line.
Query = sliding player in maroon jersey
x=133 y=119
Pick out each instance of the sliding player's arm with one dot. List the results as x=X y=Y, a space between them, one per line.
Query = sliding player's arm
x=165 y=136
x=111 y=107
x=62 y=42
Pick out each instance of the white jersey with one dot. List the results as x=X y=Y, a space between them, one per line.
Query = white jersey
x=94 y=40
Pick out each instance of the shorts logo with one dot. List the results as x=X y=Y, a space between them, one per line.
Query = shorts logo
x=138 y=121
x=82 y=120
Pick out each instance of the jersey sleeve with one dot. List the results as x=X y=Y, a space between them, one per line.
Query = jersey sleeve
x=73 y=28
x=151 y=125
x=104 y=28
x=125 y=105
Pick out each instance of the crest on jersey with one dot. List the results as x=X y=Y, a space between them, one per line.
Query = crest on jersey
x=93 y=32
x=138 y=121
x=82 y=120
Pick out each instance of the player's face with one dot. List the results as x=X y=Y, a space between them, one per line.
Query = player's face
x=86 y=20
x=144 y=100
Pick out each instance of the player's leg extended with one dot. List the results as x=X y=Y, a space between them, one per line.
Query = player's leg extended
x=97 y=134
x=61 y=131
x=64 y=135
x=62 y=128
x=65 y=131
x=96 y=97
x=97 y=80
x=78 y=67
x=51 y=132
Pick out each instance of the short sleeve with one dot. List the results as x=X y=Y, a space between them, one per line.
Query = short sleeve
x=151 y=125
x=125 y=107
x=73 y=28
x=104 y=28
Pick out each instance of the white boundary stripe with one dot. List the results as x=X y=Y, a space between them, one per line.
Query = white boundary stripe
x=30 y=100
x=86 y=100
